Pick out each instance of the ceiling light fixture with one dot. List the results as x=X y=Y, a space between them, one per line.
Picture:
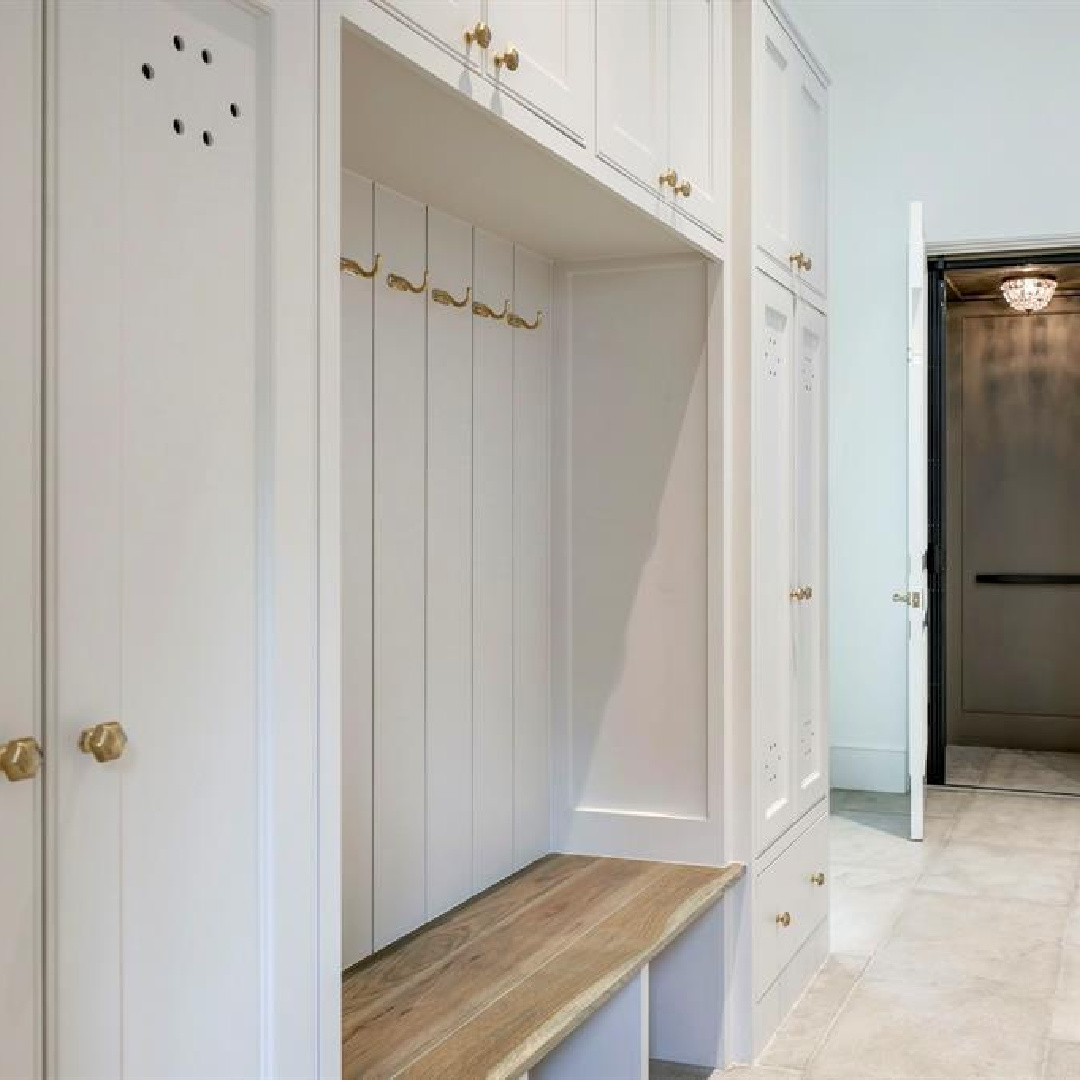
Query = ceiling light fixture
x=1029 y=293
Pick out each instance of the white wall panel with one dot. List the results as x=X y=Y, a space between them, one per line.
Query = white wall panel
x=532 y=351
x=493 y=562
x=449 y=568
x=357 y=299
x=399 y=569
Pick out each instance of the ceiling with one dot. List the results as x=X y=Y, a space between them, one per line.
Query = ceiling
x=983 y=284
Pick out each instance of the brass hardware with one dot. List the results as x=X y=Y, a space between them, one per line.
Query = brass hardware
x=351 y=266
x=796 y=259
x=912 y=599
x=784 y=919
x=806 y=263
x=105 y=742
x=480 y=35
x=817 y=879
x=518 y=323
x=21 y=759
x=808 y=593
x=485 y=312
x=396 y=281
x=671 y=178
x=441 y=296
x=509 y=59
x=795 y=594
x=684 y=189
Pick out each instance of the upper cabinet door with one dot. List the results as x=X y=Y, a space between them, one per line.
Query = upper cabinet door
x=632 y=87
x=542 y=51
x=447 y=20
x=778 y=66
x=698 y=108
x=811 y=134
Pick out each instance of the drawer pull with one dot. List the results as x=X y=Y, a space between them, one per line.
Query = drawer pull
x=784 y=919
x=509 y=59
x=817 y=879
x=480 y=35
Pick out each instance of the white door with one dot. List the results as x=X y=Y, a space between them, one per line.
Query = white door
x=549 y=45
x=811 y=121
x=449 y=21
x=182 y=486
x=632 y=87
x=20 y=632
x=772 y=587
x=698 y=114
x=811 y=742
x=916 y=592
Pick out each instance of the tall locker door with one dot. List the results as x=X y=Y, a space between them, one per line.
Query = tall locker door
x=20 y=482
x=771 y=529
x=357 y=298
x=810 y=760
x=632 y=87
x=182 y=477
x=777 y=67
x=493 y=559
x=449 y=565
x=532 y=360
x=699 y=103
x=555 y=56
x=400 y=421
x=447 y=20
x=811 y=132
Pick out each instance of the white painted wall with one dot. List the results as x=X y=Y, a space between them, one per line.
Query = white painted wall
x=929 y=101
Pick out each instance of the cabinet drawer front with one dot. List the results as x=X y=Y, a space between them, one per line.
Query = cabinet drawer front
x=789 y=903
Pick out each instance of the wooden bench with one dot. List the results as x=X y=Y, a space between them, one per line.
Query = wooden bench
x=492 y=987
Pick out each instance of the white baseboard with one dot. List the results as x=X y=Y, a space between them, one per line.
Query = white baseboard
x=868 y=768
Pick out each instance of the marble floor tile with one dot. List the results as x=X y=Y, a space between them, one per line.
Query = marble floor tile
x=1024 y=821
x=942 y=939
x=904 y=1031
x=965 y=869
x=1065 y=1023
x=863 y=911
x=946 y=802
x=1062 y=1061
x=966 y=764
x=1034 y=770
x=860 y=838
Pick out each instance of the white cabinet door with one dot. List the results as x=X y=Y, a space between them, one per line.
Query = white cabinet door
x=447 y=20
x=632 y=87
x=20 y=480
x=698 y=108
x=182 y=471
x=555 y=55
x=771 y=530
x=777 y=69
x=811 y=743
x=811 y=122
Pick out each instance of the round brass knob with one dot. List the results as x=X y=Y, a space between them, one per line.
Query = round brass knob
x=105 y=742
x=21 y=759
x=671 y=178
x=807 y=263
x=480 y=35
x=783 y=919
x=817 y=879
x=795 y=594
x=509 y=59
x=796 y=258
x=684 y=189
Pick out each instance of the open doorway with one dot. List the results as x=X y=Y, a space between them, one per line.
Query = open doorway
x=1004 y=524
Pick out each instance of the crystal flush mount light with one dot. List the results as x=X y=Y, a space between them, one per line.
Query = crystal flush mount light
x=1029 y=293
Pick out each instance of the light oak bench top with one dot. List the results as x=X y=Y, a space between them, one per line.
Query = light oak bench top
x=490 y=988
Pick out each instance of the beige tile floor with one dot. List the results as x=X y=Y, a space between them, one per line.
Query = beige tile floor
x=1019 y=770
x=954 y=959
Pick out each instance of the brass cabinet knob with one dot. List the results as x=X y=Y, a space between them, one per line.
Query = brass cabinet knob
x=807 y=263
x=21 y=759
x=795 y=594
x=807 y=593
x=480 y=35
x=509 y=59
x=784 y=919
x=105 y=742
x=683 y=189
x=671 y=178
x=796 y=258
x=817 y=879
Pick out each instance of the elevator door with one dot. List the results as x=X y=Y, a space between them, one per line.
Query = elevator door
x=1015 y=415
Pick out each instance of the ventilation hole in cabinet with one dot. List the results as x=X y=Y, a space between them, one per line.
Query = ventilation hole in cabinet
x=234 y=110
x=148 y=71
x=178 y=42
x=178 y=126
x=208 y=138
x=207 y=56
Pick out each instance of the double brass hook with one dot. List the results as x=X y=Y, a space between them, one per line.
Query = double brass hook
x=351 y=266
x=518 y=323
x=441 y=296
x=396 y=281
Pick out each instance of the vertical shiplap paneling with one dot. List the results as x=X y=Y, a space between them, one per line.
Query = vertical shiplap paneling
x=493 y=563
x=532 y=350
x=449 y=569
x=399 y=570
x=357 y=242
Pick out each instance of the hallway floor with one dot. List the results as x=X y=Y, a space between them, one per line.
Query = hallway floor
x=1016 y=770
x=953 y=959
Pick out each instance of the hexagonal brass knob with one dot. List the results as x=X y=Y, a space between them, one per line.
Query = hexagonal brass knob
x=105 y=742
x=21 y=759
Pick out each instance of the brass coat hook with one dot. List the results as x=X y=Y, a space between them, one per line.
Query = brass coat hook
x=351 y=266
x=441 y=296
x=518 y=323
x=396 y=281
x=486 y=313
